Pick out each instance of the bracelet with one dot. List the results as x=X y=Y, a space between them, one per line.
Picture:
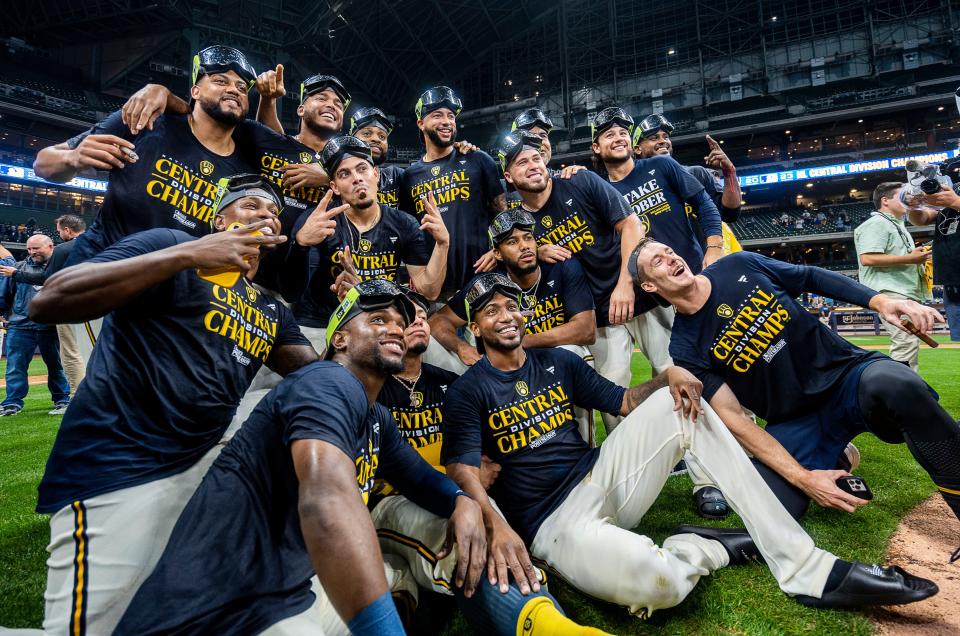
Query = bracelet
x=463 y=493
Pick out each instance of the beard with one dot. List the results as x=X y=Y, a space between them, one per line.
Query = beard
x=363 y=204
x=382 y=364
x=523 y=271
x=616 y=161
x=216 y=113
x=435 y=138
x=528 y=187
x=323 y=132
x=417 y=349
x=379 y=160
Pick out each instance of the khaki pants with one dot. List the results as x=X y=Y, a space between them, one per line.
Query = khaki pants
x=73 y=363
x=588 y=538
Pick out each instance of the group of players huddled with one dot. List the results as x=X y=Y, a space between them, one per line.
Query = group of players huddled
x=323 y=383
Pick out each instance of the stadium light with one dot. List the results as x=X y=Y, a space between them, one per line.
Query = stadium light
x=671 y=51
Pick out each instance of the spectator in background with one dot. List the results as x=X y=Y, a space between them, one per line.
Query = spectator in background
x=890 y=264
x=844 y=221
x=24 y=335
x=785 y=219
x=946 y=250
x=69 y=227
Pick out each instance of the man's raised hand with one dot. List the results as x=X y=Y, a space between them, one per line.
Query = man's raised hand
x=321 y=223
x=270 y=83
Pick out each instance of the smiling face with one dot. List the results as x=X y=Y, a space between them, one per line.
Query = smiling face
x=613 y=145
x=658 y=144
x=356 y=182
x=222 y=96
x=527 y=172
x=376 y=138
x=322 y=112
x=417 y=335
x=373 y=340
x=248 y=210
x=662 y=271
x=518 y=252
x=440 y=126
x=499 y=323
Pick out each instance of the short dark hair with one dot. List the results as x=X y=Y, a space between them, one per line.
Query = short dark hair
x=885 y=189
x=71 y=222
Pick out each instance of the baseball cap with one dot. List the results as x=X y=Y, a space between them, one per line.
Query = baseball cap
x=369 y=295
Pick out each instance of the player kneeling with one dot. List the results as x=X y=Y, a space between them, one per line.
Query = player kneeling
x=574 y=506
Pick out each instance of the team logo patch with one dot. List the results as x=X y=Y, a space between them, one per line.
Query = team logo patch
x=365 y=245
x=529 y=301
x=416 y=399
x=305 y=157
x=645 y=222
x=724 y=311
x=251 y=294
x=522 y=388
x=546 y=221
x=435 y=170
x=206 y=168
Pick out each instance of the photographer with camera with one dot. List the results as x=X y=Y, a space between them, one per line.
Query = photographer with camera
x=890 y=264
x=942 y=209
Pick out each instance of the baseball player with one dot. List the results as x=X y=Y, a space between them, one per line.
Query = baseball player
x=741 y=332
x=585 y=217
x=371 y=126
x=181 y=344
x=415 y=397
x=574 y=507
x=364 y=239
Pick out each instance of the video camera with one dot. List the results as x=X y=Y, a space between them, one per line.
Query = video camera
x=927 y=178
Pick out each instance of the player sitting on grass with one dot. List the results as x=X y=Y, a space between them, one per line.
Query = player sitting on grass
x=411 y=536
x=740 y=331
x=574 y=507
x=176 y=354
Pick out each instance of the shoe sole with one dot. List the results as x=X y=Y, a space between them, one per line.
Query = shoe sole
x=853 y=602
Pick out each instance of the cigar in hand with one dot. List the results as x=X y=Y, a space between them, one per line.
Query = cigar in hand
x=919 y=334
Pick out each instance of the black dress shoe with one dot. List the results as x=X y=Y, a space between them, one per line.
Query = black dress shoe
x=868 y=584
x=736 y=541
x=711 y=504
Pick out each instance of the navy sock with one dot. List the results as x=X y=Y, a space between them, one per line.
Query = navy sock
x=839 y=571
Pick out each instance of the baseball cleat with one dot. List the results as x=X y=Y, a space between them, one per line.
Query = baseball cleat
x=736 y=541
x=871 y=584
x=711 y=504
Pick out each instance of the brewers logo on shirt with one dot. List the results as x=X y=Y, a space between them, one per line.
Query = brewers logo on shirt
x=724 y=311
x=522 y=388
x=206 y=168
x=305 y=157
x=546 y=222
x=365 y=245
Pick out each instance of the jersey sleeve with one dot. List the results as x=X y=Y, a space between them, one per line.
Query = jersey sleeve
x=404 y=201
x=288 y=331
x=414 y=248
x=327 y=411
x=576 y=294
x=590 y=389
x=462 y=425
x=610 y=203
x=111 y=125
x=797 y=279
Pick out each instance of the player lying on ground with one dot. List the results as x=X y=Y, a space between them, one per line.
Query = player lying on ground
x=574 y=507
x=411 y=536
x=285 y=500
x=740 y=331
x=176 y=354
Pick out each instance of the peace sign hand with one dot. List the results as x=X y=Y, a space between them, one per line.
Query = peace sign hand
x=321 y=223
x=348 y=278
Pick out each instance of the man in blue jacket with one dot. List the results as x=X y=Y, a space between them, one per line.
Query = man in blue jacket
x=24 y=335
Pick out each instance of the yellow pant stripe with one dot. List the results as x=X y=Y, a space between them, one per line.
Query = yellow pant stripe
x=419 y=547
x=949 y=491
x=90 y=334
x=78 y=625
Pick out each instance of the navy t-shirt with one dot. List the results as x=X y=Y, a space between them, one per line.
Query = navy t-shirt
x=581 y=215
x=561 y=294
x=656 y=190
x=164 y=380
x=173 y=184
x=524 y=421
x=464 y=187
x=776 y=357
x=389 y=191
x=418 y=412
x=236 y=561
x=379 y=252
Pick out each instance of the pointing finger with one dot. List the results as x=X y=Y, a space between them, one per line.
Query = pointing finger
x=279 y=74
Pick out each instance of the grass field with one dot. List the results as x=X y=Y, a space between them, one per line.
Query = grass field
x=743 y=600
